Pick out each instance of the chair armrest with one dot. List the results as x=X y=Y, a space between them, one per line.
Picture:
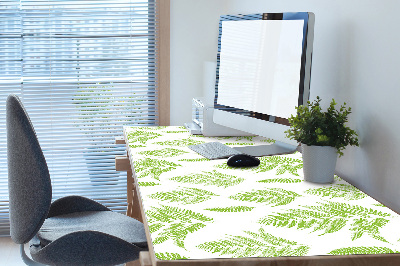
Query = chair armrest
x=72 y=204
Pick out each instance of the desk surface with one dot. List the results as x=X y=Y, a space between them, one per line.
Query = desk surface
x=200 y=209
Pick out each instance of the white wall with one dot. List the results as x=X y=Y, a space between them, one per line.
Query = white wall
x=356 y=59
x=194 y=41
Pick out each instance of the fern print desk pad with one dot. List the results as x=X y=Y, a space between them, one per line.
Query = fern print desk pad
x=197 y=208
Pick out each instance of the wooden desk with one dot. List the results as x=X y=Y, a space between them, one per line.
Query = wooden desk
x=201 y=212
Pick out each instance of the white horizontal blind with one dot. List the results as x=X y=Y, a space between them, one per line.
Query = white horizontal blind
x=83 y=69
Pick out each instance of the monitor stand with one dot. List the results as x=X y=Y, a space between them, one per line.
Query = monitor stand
x=277 y=148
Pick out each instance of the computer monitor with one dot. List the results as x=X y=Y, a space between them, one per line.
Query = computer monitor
x=263 y=73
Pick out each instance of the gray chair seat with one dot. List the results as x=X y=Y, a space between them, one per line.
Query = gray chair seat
x=107 y=222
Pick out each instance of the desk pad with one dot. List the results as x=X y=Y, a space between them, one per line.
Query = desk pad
x=198 y=209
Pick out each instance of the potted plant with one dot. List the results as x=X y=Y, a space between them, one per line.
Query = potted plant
x=323 y=135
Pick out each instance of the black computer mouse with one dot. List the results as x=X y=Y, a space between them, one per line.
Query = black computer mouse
x=242 y=160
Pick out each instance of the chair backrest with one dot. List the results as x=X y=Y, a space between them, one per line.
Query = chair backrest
x=29 y=183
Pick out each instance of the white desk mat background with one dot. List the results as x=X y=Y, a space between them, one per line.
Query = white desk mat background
x=369 y=228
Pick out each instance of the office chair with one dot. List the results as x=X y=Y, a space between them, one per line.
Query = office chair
x=70 y=231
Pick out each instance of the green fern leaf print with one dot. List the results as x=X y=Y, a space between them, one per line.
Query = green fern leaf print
x=281 y=180
x=213 y=178
x=268 y=141
x=180 y=142
x=259 y=244
x=362 y=250
x=167 y=152
x=177 y=223
x=270 y=196
x=155 y=227
x=148 y=184
x=330 y=217
x=379 y=205
x=184 y=196
x=141 y=137
x=194 y=160
x=231 y=209
x=153 y=167
x=152 y=128
x=345 y=191
x=282 y=164
x=169 y=256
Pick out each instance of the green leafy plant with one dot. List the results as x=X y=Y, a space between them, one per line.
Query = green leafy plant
x=314 y=127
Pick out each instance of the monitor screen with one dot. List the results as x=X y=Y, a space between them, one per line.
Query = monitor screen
x=260 y=63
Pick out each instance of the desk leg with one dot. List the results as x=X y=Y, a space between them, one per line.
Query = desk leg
x=132 y=197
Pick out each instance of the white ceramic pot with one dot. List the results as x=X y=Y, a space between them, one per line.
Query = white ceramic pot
x=319 y=163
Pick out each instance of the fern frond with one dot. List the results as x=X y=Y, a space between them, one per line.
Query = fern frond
x=141 y=137
x=153 y=167
x=177 y=232
x=348 y=192
x=152 y=128
x=270 y=196
x=259 y=244
x=148 y=184
x=168 y=214
x=180 y=142
x=194 y=160
x=281 y=180
x=368 y=226
x=155 y=227
x=169 y=256
x=362 y=250
x=213 y=178
x=231 y=209
x=177 y=223
x=185 y=195
x=330 y=217
x=167 y=152
x=282 y=164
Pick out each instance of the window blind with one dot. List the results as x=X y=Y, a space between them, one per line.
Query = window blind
x=83 y=69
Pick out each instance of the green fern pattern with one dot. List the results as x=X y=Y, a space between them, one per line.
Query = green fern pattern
x=176 y=223
x=169 y=256
x=212 y=178
x=167 y=152
x=380 y=205
x=268 y=140
x=194 y=160
x=153 y=167
x=344 y=191
x=148 y=184
x=175 y=131
x=330 y=217
x=270 y=196
x=141 y=136
x=282 y=164
x=281 y=180
x=231 y=209
x=180 y=142
x=259 y=244
x=152 y=128
x=362 y=250
x=195 y=206
x=184 y=195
